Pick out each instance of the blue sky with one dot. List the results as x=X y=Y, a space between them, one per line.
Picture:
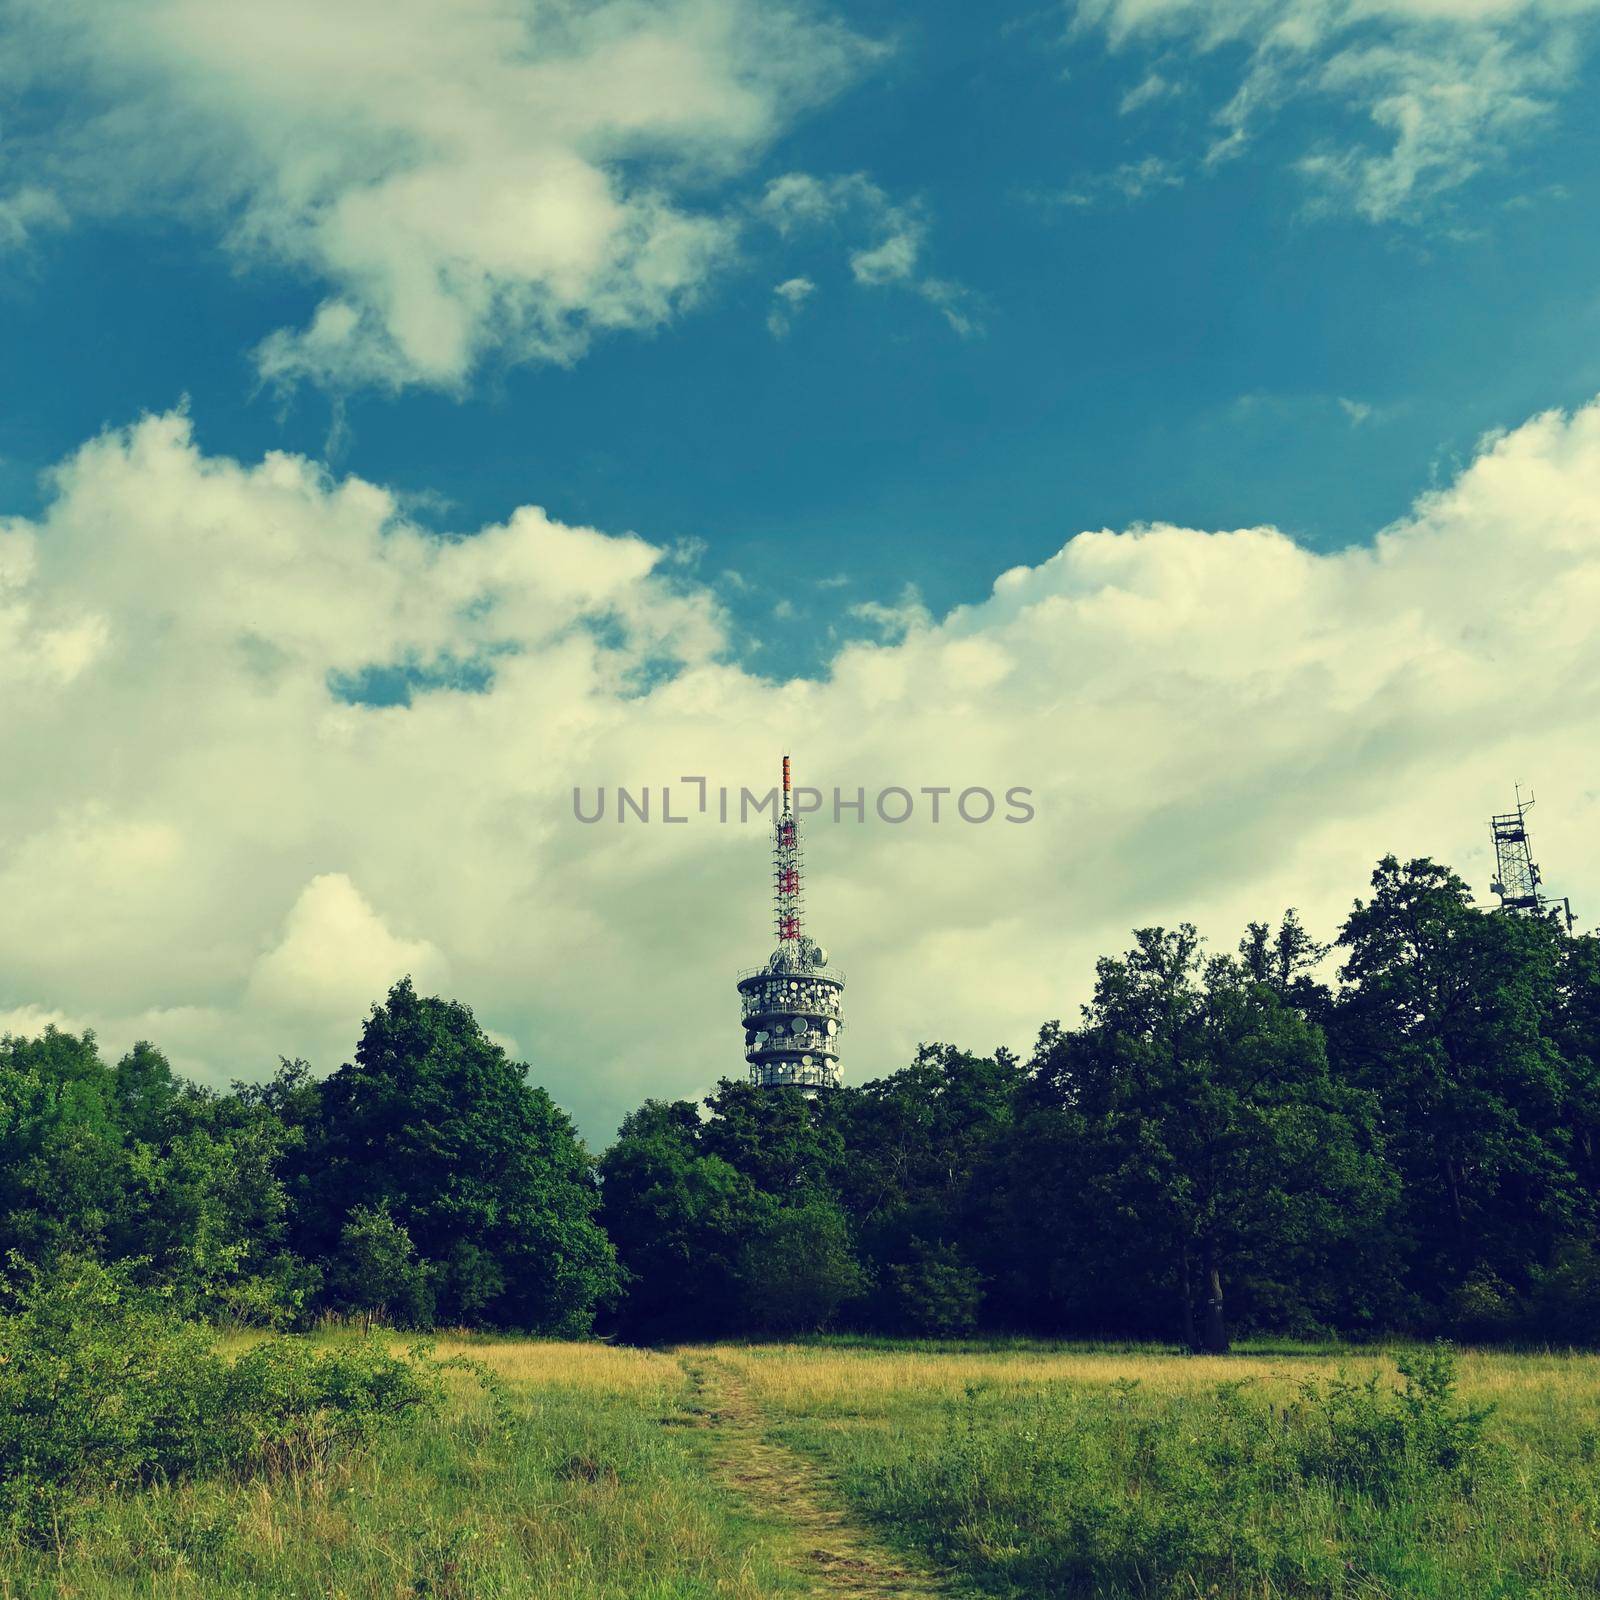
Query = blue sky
x=1216 y=351
x=820 y=336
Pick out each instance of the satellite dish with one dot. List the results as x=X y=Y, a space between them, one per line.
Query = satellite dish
x=805 y=1061
x=819 y=956
x=833 y=1027
x=799 y=1025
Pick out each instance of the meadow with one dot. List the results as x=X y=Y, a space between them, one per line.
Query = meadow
x=878 y=1468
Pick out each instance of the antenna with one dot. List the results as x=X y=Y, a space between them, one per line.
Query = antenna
x=786 y=863
x=793 y=1006
x=1517 y=876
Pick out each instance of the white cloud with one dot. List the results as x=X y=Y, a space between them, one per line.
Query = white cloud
x=1149 y=89
x=462 y=177
x=1127 y=181
x=336 y=954
x=1448 y=86
x=787 y=299
x=24 y=212
x=204 y=845
x=897 y=233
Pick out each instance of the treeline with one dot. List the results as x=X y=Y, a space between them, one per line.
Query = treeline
x=1223 y=1142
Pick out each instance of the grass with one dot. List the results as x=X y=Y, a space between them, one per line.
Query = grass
x=1277 y=1476
x=573 y=1488
x=1023 y=1469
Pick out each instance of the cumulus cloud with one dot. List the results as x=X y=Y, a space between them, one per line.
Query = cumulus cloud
x=335 y=954
x=204 y=841
x=1446 y=86
x=459 y=176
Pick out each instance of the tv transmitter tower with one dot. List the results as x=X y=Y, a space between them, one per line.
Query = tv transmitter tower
x=792 y=1005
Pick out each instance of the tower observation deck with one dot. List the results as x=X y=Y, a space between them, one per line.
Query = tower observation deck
x=792 y=1005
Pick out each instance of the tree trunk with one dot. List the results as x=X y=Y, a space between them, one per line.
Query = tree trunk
x=1216 y=1335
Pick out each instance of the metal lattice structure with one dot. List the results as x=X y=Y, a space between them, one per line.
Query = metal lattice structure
x=1517 y=878
x=793 y=1005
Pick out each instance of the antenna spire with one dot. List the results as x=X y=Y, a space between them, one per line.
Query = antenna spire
x=786 y=860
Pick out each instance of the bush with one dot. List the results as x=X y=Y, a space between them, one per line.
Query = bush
x=1564 y=1305
x=937 y=1293
x=1389 y=1442
x=100 y=1389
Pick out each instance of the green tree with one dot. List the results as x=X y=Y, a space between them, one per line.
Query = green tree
x=1212 y=1137
x=61 y=1162
x=785 y=1144
x=481 y=1169
x=375 y=1271
x=679 y=1219
x=936 y=1291
x=801 y=1269
x=913 y=1141
x=1453 y=1019
x=143 y=1091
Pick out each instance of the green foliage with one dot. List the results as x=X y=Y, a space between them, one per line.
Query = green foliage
x=937 y=1292
x=800 y=1270
x=1391 y=1443
x=375 y=1271
x=1467 y=1030
x=1194 y=1142
x=1221 y=1144
x=679 y=1218
x=482 y=1171
x=1350 y=1489
x=102 y=1389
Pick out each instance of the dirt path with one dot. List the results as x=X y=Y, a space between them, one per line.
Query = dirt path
x=837 y=1555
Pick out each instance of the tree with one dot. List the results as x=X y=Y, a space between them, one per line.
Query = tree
x=1453 y=1019
x=937 y=1291
x=1213 y=1135
x=785 y=1144
x=484 y=1173
x=375 y=1270
x=800 y=1270
x=679 y=1219
x=61 y=1156
x=913 y=1141
x=143 y=1091
x=1286 y=960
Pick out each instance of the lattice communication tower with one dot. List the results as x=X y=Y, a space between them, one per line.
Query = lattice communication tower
x=1517 y=880
x=792 y=1006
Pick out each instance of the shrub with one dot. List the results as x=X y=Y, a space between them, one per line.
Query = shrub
x=937 y=1292
x=100 y=1390
x=1387 y=1441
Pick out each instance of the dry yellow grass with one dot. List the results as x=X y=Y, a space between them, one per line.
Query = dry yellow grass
x=823 y=1380
x=589 y=1368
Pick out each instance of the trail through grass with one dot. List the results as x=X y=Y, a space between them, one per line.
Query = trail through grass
x=837 y=1553
x=1285 y=1476
x=880 y=1471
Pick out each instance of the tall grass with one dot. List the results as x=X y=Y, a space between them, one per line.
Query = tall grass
x=1085 y=1473
x=562 y=1485
x=586 y=1473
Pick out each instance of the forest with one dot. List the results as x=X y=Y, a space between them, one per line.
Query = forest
x=1394 y=1134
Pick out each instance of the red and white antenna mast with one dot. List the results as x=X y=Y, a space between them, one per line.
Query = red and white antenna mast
x=786 y=864
x=792 y=1007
